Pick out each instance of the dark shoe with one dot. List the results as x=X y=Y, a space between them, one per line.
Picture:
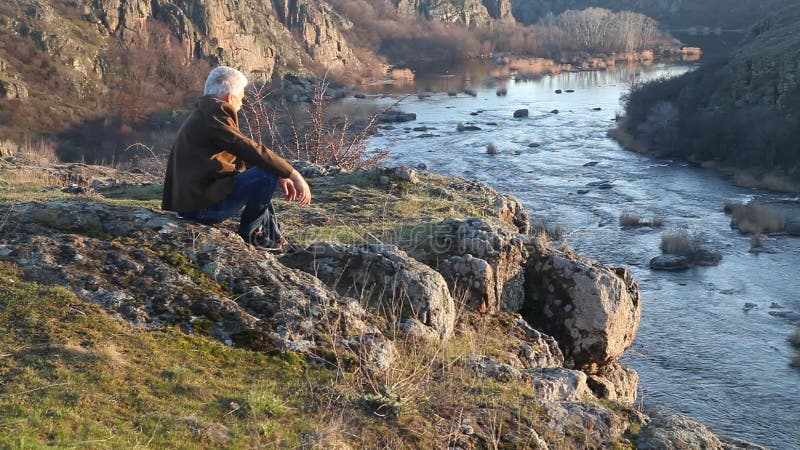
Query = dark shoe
x=262 y=242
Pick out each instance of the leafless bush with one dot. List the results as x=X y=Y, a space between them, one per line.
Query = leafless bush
x=40 y=151
x=631 y=219
x=680 y=241
x=143 y=158
x=756 y=241
x=601 y=30
x=316 y=138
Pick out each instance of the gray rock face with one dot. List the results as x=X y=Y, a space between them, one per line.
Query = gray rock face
x=13 y=89
x=405 y=287
x=593 y=421
x=511 y=211
x=487 y=367
x=677 y=432
x=257 y=37
x=482 y=263
x=560 y=385
x=615 y=382
x=592 y=310
x=153 y=269
x=537 y=350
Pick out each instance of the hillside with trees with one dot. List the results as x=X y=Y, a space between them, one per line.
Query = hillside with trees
x=675 y=14
x=741 y=112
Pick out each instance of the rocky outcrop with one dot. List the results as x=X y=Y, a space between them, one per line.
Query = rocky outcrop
x=405 y=289
x=615 y=382
x=499 y=9
x=153 y=270
x=593 y=311
x=483 y=264
x=676 y=432
x=13 y=89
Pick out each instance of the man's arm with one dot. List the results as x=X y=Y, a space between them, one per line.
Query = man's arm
x=227 y=136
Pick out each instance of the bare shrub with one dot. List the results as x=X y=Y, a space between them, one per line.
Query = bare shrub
x=680 y=241
x=315 y=137
x=632 y=219
x=629 y=219
x=756 y=241
x=601 y=30
x=756 y=218
x=41 y=151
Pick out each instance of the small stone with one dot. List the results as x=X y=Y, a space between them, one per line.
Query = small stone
x=748 y=306
x=775 y=305
x=383 y=180
x=521 y=113
x=467 y=429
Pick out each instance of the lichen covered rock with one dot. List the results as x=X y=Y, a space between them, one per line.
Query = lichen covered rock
x=592 y=310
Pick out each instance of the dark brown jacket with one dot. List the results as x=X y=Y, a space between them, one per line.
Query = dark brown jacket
x=208 y=151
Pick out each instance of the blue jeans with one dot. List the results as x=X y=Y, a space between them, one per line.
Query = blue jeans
x=253 y=189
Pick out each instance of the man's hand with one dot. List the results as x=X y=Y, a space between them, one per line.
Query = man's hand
x=289 y=192
x=302 y=193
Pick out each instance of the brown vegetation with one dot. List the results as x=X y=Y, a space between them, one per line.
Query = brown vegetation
x=601 y=30
x=679 y=241
x=631 y=219
x=755 y=218
x=314 y=136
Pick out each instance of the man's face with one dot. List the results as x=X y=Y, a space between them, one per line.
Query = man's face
x=236 y=99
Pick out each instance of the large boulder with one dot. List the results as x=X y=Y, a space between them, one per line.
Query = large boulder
x=483 y=264
x=678 y=432
x=401 y=287
x=592 y=310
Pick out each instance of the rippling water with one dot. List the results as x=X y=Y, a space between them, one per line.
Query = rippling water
x=697 y=352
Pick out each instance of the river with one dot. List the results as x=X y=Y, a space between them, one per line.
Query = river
x=698 y=351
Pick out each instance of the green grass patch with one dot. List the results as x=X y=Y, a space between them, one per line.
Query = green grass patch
x=70 y=375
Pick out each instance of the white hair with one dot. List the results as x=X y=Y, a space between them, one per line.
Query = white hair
x=224 y=80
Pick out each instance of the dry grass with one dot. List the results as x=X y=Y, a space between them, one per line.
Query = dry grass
x=680 y=241
x=756 y=241
x=631 y=219
x=39 y=152
x=755 y=218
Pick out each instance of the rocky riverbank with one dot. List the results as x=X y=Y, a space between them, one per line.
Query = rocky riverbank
x=422 y=312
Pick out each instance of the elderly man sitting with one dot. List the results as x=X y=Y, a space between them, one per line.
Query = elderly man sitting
x=214 y=170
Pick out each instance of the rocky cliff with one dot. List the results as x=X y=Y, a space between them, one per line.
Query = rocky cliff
x=428 y=317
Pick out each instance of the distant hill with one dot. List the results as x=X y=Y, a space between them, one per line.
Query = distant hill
x=742 y=112
x=676 y=14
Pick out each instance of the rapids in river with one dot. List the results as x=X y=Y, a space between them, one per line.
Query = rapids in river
x=699 y=351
